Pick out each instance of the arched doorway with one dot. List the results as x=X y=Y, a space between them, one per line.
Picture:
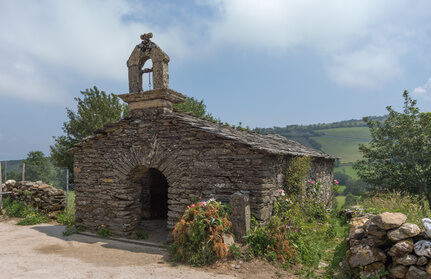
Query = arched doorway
x=154 y=195
x=150 y=188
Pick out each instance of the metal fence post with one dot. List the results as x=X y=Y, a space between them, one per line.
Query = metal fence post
x=23 y=172
x=67 y=191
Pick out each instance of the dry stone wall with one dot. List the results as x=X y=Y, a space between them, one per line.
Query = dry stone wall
x=385 y=241
x=41 y=196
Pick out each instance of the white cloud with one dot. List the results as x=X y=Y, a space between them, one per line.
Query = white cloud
x=423 y=91
x=50 y=44
x=362 y=42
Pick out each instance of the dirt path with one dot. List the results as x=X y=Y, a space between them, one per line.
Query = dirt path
x=41 y=251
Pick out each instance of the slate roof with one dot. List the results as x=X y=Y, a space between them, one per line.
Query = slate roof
x=271 y=143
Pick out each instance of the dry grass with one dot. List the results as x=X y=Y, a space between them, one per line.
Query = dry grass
x=397 y=201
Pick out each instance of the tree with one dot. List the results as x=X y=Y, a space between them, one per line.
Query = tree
x=198 y=108
x=342 y=178
x=399 y=155
x=356 y=187
x=38 y=167
x=94 y=111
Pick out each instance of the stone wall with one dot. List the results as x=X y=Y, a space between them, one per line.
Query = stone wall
x=198 y=159
x=41 y=196
x=385 y=241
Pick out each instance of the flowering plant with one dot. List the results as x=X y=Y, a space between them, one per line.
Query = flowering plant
x=198 y=236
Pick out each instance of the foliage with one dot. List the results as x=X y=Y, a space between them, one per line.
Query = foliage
x=342 y=178
x=398 y=157
x=103 y=231
x=16 y=208
x=356 y=187
x=33 y=219
x=295 y=175
x=300 y=222
x=271 y=241
x=198 y=108
x=396 y=201
x=198 y=236
x=141 y=234
x=20 y=209
x=95 y=109
x=38 y=167
x=65 y=219
x=71 y=228
x=350 y=201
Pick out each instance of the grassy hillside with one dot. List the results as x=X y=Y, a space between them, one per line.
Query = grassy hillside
x=354 y=133
x=345 y=148
x=341 y=139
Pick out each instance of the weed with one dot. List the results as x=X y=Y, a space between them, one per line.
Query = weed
x=235 y=252
x=33 y=219
x=65 y=219
x=141 y=234
x=71 y=228
x=103 y=231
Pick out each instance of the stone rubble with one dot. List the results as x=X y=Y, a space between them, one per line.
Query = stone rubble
x=386 y=241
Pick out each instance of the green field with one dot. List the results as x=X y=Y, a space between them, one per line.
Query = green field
x=344 y=148
x=347 y=170
x=354 y=132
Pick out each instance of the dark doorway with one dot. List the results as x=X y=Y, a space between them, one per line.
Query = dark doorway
x=158 y=195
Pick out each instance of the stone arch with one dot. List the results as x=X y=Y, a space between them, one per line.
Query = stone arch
x=151 y=188
x=141 y=54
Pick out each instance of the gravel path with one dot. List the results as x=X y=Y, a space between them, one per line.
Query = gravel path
x=41 y=251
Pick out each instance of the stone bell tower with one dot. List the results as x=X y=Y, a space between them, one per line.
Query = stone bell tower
x=160 y=98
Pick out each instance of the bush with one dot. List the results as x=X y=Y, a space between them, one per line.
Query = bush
x=342 y=178
x=22 y=210
x=350 y=201
x=198 y=236
x=271 y=241
x=17 y=208
x=356 y=187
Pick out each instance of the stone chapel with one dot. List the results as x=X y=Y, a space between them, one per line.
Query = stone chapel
x=149 y=166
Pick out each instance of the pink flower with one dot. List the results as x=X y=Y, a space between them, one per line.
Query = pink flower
x=311 y=182
x=192 y=205
x=187 y=207
x=281 y=192
x=336 y=181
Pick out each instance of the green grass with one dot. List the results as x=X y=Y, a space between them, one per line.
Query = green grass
x=354 y=132
x=71 y=203
x=340 y=200
x=346 y=149
x=347 y=170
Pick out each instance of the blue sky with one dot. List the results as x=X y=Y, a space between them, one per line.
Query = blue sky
x=263 y=63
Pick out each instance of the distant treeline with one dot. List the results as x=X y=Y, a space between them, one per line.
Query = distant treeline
x=304 y=133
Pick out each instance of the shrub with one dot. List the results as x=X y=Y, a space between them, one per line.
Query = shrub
x=271 y=241
x=198 y=236
x=22 y=210
x=342 y=177
x=33 y=219
x=350 y=201
x=17 y=208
